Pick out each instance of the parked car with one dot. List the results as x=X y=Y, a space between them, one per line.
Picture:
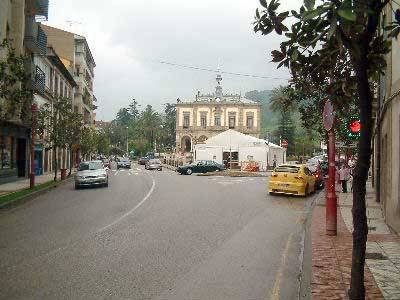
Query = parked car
x=124 y=163
x=292 y=179
x=153 y=164
x=201 y=166
x=91 y=173
x=143 y=160
x=107 y=163
x=316 y=170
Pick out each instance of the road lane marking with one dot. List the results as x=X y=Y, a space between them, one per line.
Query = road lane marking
x=133 y=209
x=278 y=278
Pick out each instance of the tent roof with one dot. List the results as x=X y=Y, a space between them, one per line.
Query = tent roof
x=235 y=138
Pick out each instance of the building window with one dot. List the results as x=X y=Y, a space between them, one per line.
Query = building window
x=250 y=122
x=203 y=121
x=6 y=152
x=217 y=121
x=186 y=121
x=232 y=122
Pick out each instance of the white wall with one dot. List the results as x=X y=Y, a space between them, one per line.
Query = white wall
x=208 y=153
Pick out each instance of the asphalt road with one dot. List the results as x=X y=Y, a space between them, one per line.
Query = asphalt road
x=154 y=235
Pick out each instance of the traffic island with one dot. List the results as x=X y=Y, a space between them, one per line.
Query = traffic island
x=234 y=174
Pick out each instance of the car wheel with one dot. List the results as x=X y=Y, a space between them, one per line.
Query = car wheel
x=106 y=184
x=77 y=187
x=189 y=171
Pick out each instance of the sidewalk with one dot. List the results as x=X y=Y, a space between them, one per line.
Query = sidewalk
x=22 y=184
x=331 y=256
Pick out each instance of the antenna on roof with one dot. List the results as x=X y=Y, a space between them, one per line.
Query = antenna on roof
x=71 y=22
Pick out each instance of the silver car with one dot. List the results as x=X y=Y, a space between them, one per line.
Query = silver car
x=153 y=164
x=91 y=173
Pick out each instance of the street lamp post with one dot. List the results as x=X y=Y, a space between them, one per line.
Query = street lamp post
x=127 y=147
x=34 y=110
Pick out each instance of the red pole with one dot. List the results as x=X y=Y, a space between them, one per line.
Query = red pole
x=34 y=109
x=331 y=199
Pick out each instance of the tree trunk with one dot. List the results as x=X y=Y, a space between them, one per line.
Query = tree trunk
x=55 y=163
x=71 y=160
x=357 y=289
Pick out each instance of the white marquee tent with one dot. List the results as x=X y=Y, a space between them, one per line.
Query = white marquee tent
x=240 y=148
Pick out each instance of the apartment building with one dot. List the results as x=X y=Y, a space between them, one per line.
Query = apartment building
x=75 y=54
x=19 y=24
x=52 y=80
x=209 y=115
x=387 y=134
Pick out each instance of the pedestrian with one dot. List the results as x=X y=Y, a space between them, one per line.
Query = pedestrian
x=274 y=162
x=344 y=176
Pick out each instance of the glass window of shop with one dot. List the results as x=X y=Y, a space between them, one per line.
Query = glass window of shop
x=6 y=152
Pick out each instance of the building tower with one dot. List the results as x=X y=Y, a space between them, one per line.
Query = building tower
x=218 y=88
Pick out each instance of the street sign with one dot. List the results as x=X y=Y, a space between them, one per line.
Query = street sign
x=284 y=143
x=328 y=115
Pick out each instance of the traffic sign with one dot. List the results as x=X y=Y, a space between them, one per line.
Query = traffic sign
x=328 y=115
x=284 y=143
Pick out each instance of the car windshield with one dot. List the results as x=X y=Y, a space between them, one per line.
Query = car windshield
x=312 y=168
x=155 y=161
x=92 y=165
x=288 y=169
x=125 y=160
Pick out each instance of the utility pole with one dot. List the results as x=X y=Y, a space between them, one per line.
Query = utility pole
x=331 y=198
x=127 y=147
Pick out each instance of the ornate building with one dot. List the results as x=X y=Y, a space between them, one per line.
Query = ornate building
x=209 y=115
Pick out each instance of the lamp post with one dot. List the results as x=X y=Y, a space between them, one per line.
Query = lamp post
x=127 y=147
x=34 y=110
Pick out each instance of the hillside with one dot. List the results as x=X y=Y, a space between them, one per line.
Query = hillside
x=269 y=119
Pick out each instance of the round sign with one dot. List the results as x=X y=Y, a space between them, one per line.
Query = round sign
x=328 y=115
x=355 y=126
x=284 y=143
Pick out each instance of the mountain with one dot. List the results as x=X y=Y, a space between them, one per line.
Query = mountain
x=269 y=119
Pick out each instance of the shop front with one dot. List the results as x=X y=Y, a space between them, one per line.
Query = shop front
x=14 y=141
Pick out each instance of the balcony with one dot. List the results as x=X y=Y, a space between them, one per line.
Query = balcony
x=39 y=84
x=35 y=39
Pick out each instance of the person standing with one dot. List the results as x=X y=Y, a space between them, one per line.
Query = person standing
x=344 y=176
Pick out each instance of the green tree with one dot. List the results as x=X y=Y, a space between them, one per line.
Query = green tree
x=53 y=120
x=89 y=141
x=169 y=125
x=123 y=117
x=15 y=92
x=134 y=110
x=103 y=144
x=338 y=44
x=74 y=124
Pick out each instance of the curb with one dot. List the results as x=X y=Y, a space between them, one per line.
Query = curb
x=26 y=198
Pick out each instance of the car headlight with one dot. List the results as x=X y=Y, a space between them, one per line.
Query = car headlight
x=80 y=177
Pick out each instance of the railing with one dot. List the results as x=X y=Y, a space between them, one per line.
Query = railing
x=40 y=80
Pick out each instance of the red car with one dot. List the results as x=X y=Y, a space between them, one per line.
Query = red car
x=317 y=172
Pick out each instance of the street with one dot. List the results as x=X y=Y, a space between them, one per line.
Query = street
x=154 y=235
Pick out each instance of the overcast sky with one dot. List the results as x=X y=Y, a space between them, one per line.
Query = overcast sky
x=129 y=38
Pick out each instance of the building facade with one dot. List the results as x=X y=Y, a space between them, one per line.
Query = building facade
x=209 y=115
x=19 y=24
x=387 y=134
x=53 y=80
x=75 y=54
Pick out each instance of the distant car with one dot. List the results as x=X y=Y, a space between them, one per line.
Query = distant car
x=143 y=160
x=202 y=166
x=153 y=164
x=107 y=163
x=91 y=173
x=124 y=163
x=292 y=179
x=318 y=174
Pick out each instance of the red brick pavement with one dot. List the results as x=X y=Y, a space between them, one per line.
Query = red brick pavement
x=331 y=261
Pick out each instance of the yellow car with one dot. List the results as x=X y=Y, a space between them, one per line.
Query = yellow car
x=292 y=179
